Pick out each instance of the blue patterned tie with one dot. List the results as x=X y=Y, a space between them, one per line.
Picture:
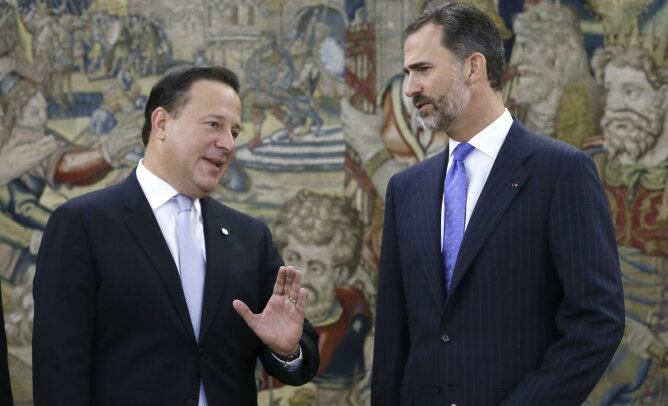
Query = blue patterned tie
x=454 y=216
x=192 y=267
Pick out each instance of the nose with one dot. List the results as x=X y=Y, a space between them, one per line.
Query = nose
x=225 y=141
x=615 y=99
x=411 y=85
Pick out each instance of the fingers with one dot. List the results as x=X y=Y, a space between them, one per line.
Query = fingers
x=295 y=279
x=279 y=286
x=289 y=284
x=301 y=301
x=244 y=312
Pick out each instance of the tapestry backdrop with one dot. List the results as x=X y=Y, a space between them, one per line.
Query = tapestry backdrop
x=326 y=124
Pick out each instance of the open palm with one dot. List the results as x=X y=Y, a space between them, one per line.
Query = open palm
x=280 y=324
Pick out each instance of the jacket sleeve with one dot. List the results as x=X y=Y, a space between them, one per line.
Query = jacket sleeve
x=309 y=339
x=64 y=293
x=391 y=339
x=590 y=317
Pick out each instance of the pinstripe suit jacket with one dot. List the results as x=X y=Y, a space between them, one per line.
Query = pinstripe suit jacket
x=535 y=309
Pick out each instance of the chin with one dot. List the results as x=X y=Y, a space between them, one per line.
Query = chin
x=205 y=188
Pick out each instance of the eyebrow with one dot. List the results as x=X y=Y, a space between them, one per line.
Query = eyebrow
x=416 y=65
x=222 y=118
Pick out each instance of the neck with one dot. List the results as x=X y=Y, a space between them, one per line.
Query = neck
x=153 y=164
x=482 y=110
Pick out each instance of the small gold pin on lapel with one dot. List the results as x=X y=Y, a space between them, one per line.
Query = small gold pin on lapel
x=514 y=185
x=224 y=230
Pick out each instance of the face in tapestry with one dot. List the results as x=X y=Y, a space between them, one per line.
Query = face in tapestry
x=320 y=275
x=634 y=113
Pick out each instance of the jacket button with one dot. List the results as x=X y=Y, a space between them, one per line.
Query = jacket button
x=200 y=352
x=445 y=338
x=438 y=388
x=191 y=402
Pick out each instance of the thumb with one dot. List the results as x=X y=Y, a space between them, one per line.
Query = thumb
x=244 y=312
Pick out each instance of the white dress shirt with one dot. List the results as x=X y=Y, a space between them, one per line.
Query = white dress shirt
x=160 y=196
x=478 y=163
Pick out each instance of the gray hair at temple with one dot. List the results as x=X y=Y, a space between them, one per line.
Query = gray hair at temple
x=466 y=30
x=320 y=219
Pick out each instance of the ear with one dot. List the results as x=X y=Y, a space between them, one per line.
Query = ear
x=159 y=119
x=475 y=68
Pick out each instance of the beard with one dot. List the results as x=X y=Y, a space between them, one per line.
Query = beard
x=630 y=133
x=448 y=106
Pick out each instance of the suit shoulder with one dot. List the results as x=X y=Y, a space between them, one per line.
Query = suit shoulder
x=548 y=146
x=96 y=199
x=553 y=156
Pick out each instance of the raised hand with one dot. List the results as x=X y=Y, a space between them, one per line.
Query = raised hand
x=280 y=324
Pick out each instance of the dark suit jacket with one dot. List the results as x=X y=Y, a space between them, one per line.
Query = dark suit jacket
x=5 y=387
x=535 y=309
x=111 y=322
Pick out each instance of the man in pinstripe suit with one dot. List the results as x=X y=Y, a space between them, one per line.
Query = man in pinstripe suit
x=499 y=275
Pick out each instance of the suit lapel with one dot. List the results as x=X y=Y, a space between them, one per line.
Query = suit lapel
x=144 y=227
x=505 y=180
x=218 y=254
x=427 y=215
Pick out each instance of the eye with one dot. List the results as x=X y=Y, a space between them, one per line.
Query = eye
x=631 y=92
x=317 y=268
x=235 y=133
x=291 y=257
x=213 y=124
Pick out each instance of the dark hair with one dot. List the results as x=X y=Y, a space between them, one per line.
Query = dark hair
x=172 y=90
x=466 y=30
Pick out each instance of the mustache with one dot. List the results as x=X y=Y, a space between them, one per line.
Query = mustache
x=420 y=98
x=637 y=118
x=311 y=293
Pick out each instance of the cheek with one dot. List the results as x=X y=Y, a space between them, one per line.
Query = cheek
x=318 y=281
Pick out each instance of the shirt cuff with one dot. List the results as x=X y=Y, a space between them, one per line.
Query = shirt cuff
x=293 y=365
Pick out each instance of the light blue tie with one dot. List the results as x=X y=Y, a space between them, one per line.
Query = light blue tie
x=192 y=268
x=454 y=216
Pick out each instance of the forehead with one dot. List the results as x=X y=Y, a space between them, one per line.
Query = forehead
x=624 y=74
x=310 y=251
x=213 y=97
x=424 y=46
x=38 y=98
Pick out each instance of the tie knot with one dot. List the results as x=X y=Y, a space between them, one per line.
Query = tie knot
x=462 y=151
x=184 y=203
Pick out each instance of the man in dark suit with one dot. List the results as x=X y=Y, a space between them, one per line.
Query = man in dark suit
x=499 y=276
x=152 y=293
x=5 y=387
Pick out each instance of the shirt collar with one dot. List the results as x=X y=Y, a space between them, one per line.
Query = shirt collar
x=157 y=191
x=490 y=139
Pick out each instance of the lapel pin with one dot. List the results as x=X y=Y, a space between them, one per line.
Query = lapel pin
x=224 y=230
x=514 y=185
